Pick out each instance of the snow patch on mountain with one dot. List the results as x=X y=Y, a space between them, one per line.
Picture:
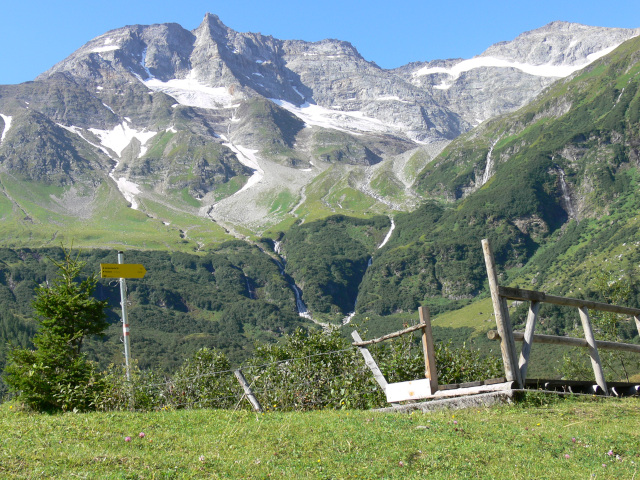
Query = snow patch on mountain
x=106 y=48
x=247 y=157
x=345 y=121
x=544 y=70
x=120 y=137
x=78 y=131
x=190 y=92
x=7 y=125
x=128 y=189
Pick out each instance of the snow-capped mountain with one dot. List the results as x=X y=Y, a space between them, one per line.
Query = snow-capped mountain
x=248 y=130
x=508 y=75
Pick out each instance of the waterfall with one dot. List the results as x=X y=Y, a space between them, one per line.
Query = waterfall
x=300 y=306
x=489 y=163
x=388 y=236
x=250 y=292
x=488 y=166
x=346 y=320
x=566 y=195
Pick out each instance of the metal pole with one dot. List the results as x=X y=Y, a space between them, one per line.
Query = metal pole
x=125 y=321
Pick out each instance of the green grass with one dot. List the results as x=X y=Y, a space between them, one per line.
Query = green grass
x=477 y=315
x=530 y=440
x=112 y=224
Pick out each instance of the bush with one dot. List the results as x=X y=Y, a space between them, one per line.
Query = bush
x=204 y=381
x=311 y=370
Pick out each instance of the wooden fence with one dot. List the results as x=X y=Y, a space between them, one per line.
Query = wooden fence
x=427 y=388
x=516 y=371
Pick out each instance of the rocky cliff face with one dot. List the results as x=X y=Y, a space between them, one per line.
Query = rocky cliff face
x=508 y=75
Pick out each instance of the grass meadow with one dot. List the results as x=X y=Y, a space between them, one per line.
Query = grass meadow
x=542 y=437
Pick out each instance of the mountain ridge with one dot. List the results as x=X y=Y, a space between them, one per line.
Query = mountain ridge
x=329 y=113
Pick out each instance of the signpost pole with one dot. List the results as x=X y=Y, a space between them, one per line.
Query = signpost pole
x=122 y=271
x=125 y=321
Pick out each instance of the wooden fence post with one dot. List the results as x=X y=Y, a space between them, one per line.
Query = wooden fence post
x=534 y=308
x=503 y=323
x=247 y=391
x=370 y=362
x=430 y=369
x=593 y=349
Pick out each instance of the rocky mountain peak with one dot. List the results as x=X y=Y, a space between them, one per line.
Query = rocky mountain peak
x=213 y=27
x=561 y=43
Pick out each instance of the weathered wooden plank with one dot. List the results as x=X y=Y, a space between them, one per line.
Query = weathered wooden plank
x=370 y=362
x=493 y=381
x=507 y=345
x=513 y=293
x=637 y=319
x=247 y=390
x=533 y=296
x=490 y=381
x=430 y=370
x=523 y=364
x=412 y=390
x=593 y=349
x=458 y=392
x=569 y=341
x=362 y=343
x=453 y=386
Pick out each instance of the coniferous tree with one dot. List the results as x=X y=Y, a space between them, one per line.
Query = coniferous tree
x=57 y=375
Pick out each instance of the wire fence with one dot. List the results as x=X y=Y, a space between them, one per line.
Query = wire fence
x=334 y=379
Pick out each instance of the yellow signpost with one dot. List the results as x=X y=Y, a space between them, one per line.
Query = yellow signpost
x=122 y=270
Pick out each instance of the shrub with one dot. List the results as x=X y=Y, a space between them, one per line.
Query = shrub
x=204 y=381
x=311 y=370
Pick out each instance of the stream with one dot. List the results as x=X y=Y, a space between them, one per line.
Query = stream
x=302 y=309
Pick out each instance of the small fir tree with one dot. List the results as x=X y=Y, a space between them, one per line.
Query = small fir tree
x=57 y=375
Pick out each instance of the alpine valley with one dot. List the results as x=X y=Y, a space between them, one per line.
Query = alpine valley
x=267 y=184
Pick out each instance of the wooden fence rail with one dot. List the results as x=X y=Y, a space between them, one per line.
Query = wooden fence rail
x=517 y=371
x=569 y=341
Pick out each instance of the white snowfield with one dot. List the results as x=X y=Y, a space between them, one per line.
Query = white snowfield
x=120 y=137
x=544 y=70
x=106 y=48
x=192 y=93
x=78 y=131
x=128 y=189
x=7 y=125
x=346 y=121
x=117 y=140
x=247 y=157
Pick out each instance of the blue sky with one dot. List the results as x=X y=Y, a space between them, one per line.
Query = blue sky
x=35 y=35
